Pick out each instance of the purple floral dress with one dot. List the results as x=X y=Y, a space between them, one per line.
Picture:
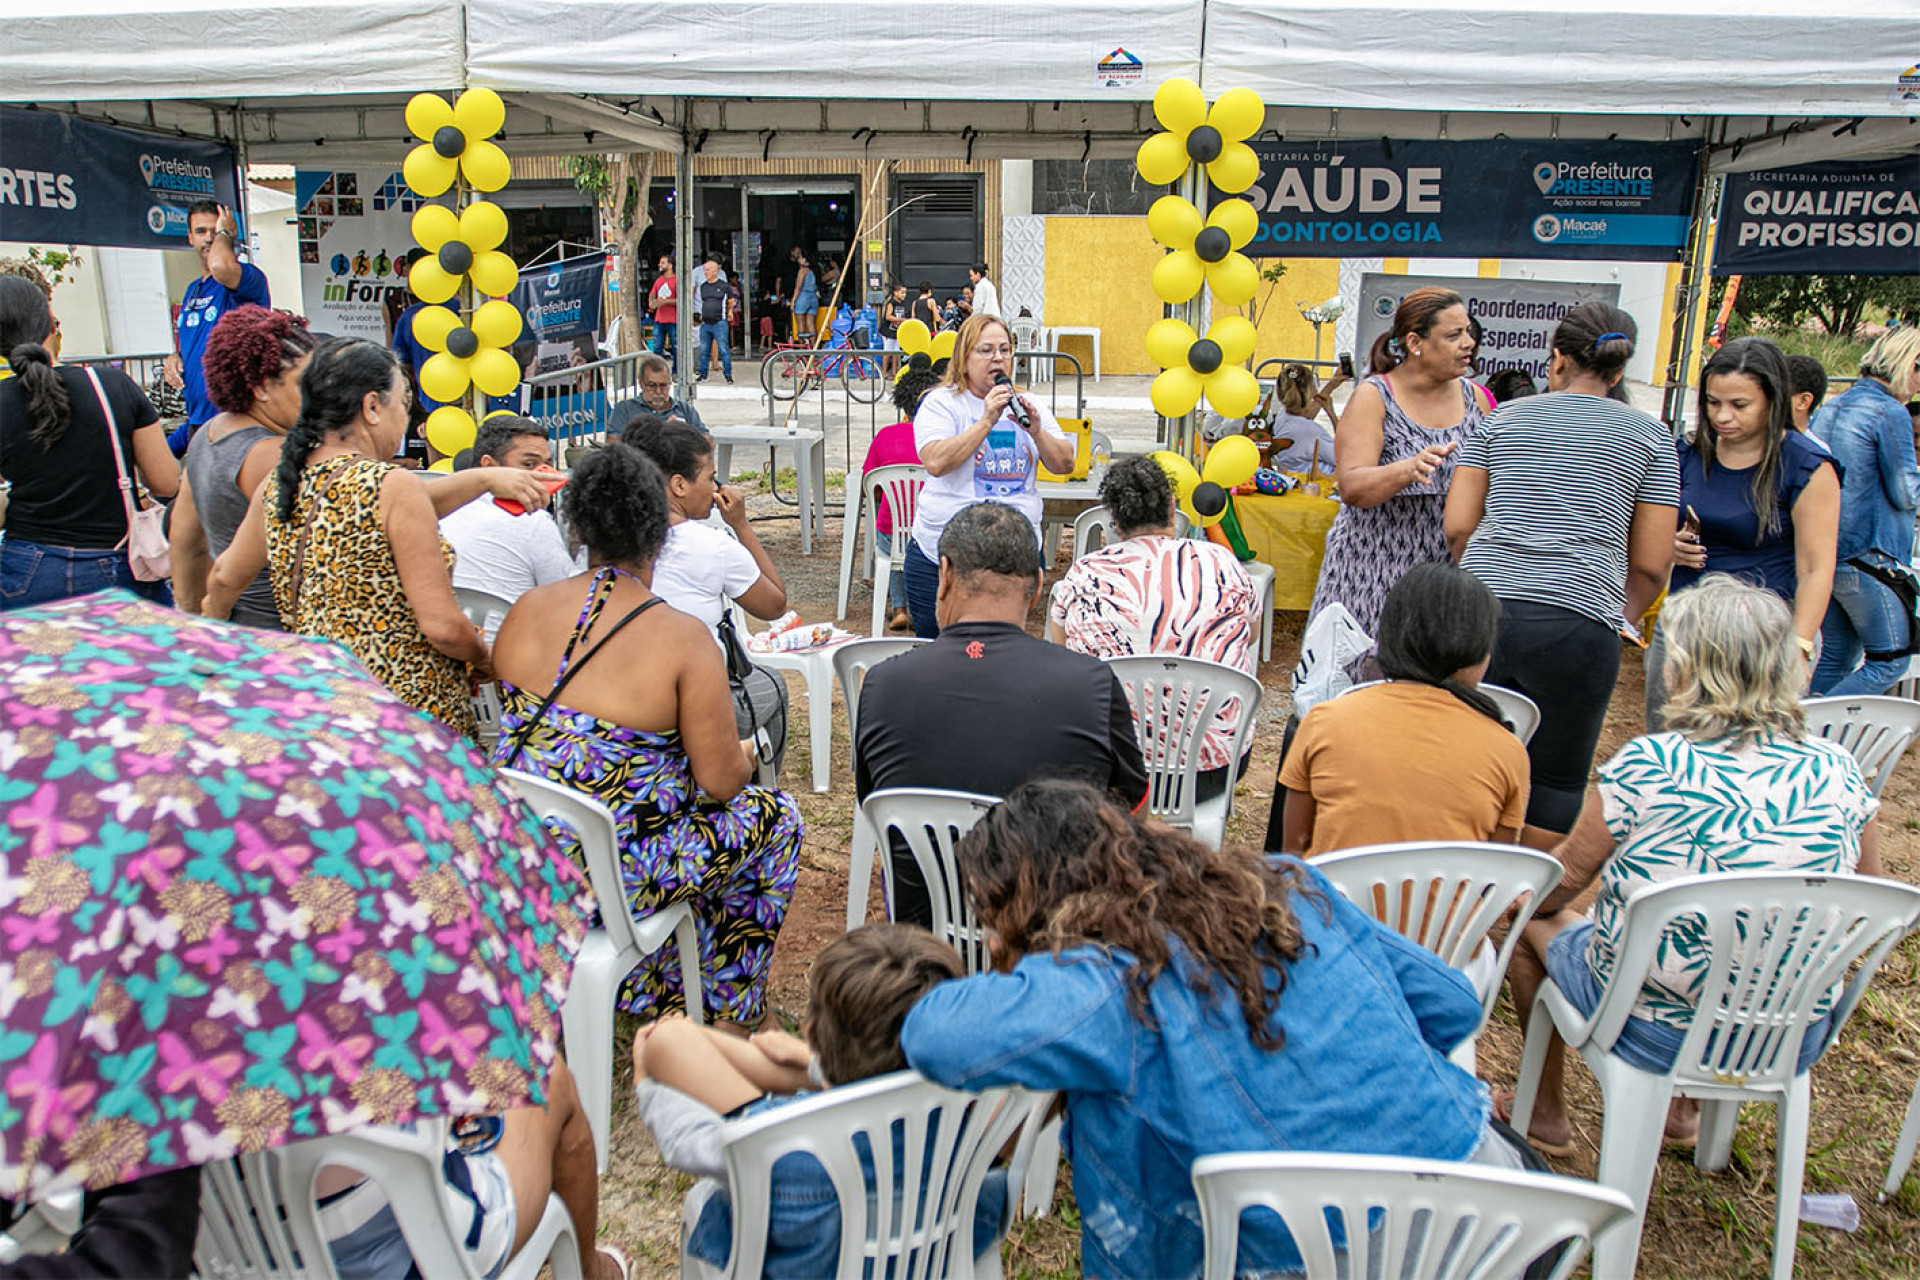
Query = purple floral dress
x=734 y=862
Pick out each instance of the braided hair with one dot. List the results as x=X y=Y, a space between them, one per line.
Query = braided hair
x=25 y=323
x=332 y=391
x=1437 y=619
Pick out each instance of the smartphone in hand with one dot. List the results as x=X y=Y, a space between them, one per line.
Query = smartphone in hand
x=1346 y=364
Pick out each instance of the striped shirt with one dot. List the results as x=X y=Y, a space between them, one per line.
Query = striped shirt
x=1564 y=472
x=1181 y=596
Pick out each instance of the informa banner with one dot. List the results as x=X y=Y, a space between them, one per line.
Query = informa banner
x=356 y=228
x=1506 y=198
x=1517 y=317
x=559 y=303
x=1855 y=218
x=70 y=181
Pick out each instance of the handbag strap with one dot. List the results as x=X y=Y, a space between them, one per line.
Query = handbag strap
x=119 y=458
x=566 y=677
x=300 y=552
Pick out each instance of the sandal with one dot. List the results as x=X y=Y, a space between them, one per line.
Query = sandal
x=1503 y=1103
x=901 y=621
x=619 y=1260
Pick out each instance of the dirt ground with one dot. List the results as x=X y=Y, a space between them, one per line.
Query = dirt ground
x=1699 y=1225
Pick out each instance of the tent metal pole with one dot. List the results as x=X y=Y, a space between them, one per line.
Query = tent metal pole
x=1692 y=281
x=745 y=277
x=686 y=331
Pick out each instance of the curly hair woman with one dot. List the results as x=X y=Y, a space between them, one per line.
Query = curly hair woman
x=1188 y=1001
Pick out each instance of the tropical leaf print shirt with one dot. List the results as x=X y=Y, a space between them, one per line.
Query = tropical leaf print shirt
x=1680 y=808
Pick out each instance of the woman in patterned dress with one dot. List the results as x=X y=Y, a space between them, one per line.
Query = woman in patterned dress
x=1394 y=453
x=352 y=542
x=1153 y=592
x=1736 y=785
x=660 y=751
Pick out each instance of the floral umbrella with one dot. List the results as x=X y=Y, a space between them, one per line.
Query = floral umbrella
x=249 y=897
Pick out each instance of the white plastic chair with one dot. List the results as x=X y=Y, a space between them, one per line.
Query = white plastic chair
x=1908 y=685
x=1522 y=712
x=851 y=662
x=1262 y=575
x=1098 y=522
x=259 y=1221
x=1175 y=701
x=1447 y=896
x=900 y=484
x=914 y=1216
x=1876 y=729
x=485 y=611
x=1438 y=1219
x=1773 y=945
x=609 y=952
x=1904 y=1146
x=930 y=823
x=1028 y=336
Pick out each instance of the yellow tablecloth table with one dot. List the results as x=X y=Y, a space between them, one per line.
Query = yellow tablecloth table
x=1289 y=532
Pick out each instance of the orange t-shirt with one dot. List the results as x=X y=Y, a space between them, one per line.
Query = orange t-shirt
x=1405 y=761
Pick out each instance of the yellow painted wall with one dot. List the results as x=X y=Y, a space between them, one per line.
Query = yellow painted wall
x=1099 y=272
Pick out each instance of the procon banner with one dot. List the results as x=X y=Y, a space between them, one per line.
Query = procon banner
x=1855 y=218
x=70 y=181
x=1613 y=201
x=1517 y=317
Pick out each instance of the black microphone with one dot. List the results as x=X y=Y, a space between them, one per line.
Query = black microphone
x=1014 y=405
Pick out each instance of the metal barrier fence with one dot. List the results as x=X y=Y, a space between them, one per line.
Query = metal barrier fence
x=147 y=369
x=573 y=404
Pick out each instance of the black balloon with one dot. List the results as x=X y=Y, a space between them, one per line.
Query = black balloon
x=1209 y=499
x=455 y=257
x=1204 y=144
x=449 y=141
x=920 y=360
x=1213 y=244
x=1204 y=356
x=461 y=343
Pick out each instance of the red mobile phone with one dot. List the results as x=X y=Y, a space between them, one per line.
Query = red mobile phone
x=554 y=480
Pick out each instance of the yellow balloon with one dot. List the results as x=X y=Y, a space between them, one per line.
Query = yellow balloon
x=444 y=378
x=1234 y=280
x=943 y=343
x=479 y=113
x=494 y=371
x=1237 y=219
x=1183 y=477
x=1174 y=392
x=1173 y=222
x=1162 y=159
x=1178 y=276
x=450 y=429
x=913 y=335
x=431 y=325
x=444 y=466
x=1167 y=342
x=427 y=112
x=429 y=283
x=1236 y=169
x=487 y=167
x=434 y=225
x=1180 y=107
x=427 y=171
x=496 y=323
x=483 y=225
x=1235 y=336
x=493 y=273
x=1234 y=459
x=1234 y=392
x=1237 y=114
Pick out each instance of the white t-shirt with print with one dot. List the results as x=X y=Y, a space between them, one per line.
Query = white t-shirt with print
x=1002 y=469
x=701 y=570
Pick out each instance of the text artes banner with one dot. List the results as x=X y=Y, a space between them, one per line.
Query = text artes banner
x=560 y=305
x=1517 y=317
x=1856 y=218
x=1614 y=201
x=70 y=181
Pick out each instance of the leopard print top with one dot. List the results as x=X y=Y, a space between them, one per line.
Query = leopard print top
x=351 y=590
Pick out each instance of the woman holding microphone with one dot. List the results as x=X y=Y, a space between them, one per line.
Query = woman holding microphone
x=980 y=440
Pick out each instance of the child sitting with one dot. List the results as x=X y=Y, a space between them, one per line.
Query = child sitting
x=691 y=1079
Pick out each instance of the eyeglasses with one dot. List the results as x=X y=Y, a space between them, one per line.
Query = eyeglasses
x=648 y=384
x=990 y=352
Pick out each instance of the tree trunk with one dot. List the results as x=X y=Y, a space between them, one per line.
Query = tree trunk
x=632 y=170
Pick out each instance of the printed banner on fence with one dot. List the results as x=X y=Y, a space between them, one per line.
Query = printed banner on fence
x=71 y=181
x=1517 y=317
x=356 y=228
x=1506 y=198
x=1856 y=218
x=559 y=303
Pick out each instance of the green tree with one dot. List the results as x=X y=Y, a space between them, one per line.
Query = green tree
x=619 y=184
x=1838 y=304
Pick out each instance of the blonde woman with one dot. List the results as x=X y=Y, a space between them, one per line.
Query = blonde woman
x=1736 y=760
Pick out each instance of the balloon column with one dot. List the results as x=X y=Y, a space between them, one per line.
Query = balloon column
x=464 y=265
x=923 y=348
x=1206 y=495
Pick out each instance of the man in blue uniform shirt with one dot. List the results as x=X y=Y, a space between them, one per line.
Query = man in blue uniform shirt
x=225 y=283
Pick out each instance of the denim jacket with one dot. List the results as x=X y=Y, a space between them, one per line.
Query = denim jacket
x=1871 y=436
x=1368 y=1018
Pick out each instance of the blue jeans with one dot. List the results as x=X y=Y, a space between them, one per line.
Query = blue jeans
x=716 y=332
x=34 y=573
x=1863 y=616
x=663 y=342
x=923 y=587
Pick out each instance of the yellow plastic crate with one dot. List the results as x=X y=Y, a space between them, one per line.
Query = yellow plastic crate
x=1080 y=430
